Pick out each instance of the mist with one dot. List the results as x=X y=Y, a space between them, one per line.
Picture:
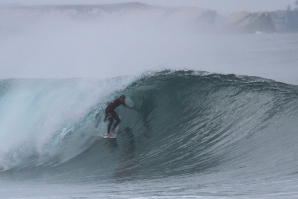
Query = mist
x=58 y=45
x=226 y=6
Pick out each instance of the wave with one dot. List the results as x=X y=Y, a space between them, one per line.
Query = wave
x=184 y=123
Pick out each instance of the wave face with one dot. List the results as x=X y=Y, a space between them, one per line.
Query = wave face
x=184 y=123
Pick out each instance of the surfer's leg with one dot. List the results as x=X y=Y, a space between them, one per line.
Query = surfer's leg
x=110 y=118
x=116 y=117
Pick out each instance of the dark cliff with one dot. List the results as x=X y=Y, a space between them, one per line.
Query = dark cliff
x=247 y=22
x=285 y=21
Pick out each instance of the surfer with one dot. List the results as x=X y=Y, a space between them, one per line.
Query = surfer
x=111 y=115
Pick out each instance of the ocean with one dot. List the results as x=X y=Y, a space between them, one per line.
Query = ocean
x=217 y=122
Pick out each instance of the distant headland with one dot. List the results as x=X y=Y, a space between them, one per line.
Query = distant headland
x=205 y=20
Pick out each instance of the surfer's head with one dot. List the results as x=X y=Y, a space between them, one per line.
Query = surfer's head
x=122 y=98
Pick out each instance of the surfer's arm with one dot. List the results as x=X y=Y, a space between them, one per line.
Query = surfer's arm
x=106 y=116
x=106 y=113
x=130 y=107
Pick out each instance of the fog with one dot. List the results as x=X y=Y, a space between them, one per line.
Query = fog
x=59 y=46
x=222 y=6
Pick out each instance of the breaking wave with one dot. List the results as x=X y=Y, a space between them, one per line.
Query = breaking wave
x=183 y=123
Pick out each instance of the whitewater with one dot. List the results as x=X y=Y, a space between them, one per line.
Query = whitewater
x=215 y=116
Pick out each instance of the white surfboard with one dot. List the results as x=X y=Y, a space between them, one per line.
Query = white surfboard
x=114 y=135
x=105 y=136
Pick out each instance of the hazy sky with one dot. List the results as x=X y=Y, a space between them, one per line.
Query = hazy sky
x=222 y=6
x=56 y=46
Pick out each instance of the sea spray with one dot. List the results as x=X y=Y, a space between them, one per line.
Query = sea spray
x=38 y=116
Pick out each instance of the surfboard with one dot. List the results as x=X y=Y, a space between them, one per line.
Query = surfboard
x=114 y=135
x=105 y=136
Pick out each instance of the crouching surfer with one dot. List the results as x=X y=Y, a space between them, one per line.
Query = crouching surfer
x=111 y=115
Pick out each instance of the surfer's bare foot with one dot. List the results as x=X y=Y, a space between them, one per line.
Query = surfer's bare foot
x=109 y=135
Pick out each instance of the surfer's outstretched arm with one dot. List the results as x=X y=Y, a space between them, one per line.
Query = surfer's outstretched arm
x=130 y=107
